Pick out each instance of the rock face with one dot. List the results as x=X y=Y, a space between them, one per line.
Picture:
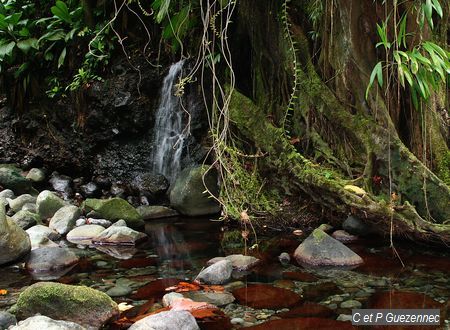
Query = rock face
x=188 y=194
x=149 y=212
x=217 y=273
x=14 y=241
x=85 y=306
x=10 y=178
x=47 y=203
x=44 y=322
x=64 y=219
x=320 y=249
x=48 y=263
x=118 y=234
x=170 y=320
x=114 y=209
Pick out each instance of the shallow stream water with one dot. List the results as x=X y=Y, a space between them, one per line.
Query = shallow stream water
x=179 y=248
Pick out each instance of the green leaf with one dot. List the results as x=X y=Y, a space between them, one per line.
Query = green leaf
x=414 y=97
x=13 y=19
x=438 y=8
x=408 y=75
x=379 y=69
x=428 y=10
x=53 y=35
x=163 y=11
x=25 y=45
x=6 y=49
x=375 y=73
x=61 y=58
x=401 y=75
x=24 y=32
x=61 y=11
x=401 y=39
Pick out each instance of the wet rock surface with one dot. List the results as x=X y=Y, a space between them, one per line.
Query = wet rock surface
x=14 y=241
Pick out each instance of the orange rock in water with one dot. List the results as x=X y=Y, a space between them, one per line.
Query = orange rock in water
x=186 y=304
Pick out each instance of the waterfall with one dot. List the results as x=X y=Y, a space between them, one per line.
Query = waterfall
x=170 y=130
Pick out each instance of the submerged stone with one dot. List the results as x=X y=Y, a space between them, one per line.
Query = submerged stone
x=320 y=249
x=168 y=320
x=266 y=296
x=218 y=273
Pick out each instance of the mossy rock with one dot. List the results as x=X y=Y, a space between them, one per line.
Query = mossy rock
x=114 y=209
x=48 y=203
x=10 y=178
x=85 y=306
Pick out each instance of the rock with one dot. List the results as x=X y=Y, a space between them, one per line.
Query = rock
x=25 y=219
x=118 y=234
x=148 y=212
x=118 y=252
x=356 y=226
x=39 y=234
x=17 y=203
x=44 y=322
x=307 y=310
x=326 y=227
x=303 y=323
x=351 y=304
x=36 y=175
x=168 y=298
x=80 y=222
x=84 y=234
x=237 y=321
x=188 y=194
x=118 y=189
x=170 y=320
x=64 y=219
x=101 y=222
x=344 y=317
x=114 y=209
x=29 y=207
x=85 y=306
x=6 y=320
x=103 y=182
x=214 y=298
x=7 y=193
x=14 y=241
x=266 y=296
x=319 y=249
x=47 y=203
x=239 y=261
x=10 y=178
x=284 y=258
x=151 y=185
x=218 y=273
x=48 y=263
x=62 y=184
x=344 y=237
x=119 y=291
x=90 y=190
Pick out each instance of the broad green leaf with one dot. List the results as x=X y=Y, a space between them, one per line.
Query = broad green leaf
x=61 y=11
x=61 y=58
x=25 y=45
x=6 y=49
x=14 y=18
x=438 y=8
x=53 y=35
x=24 y=32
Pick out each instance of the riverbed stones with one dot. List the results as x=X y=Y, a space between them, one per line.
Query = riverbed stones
x=344 y=237
x=47 y=203
x=36 y=175
x=320 y=249
x=64 y=219
x=85 y=306
x=168 y=298
x=266 y=296
x=44 y=322
x=218 y=273
x=90 y=190
x=169 y=320
x=84 y=234
x=14 y=241
x=6 y=320
x=114 y=209
x=119 y=234
x=7 y=193
x=214 y=298
x=62 y=184
x=25 y=219
x=48 y=263
x=189 y=196
x=10 y=178
x=356 y=226
x=17 y=203
x=238 y=261
x=36 y=233
x=149 y=212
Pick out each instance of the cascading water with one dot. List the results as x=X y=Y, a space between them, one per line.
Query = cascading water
x=171 y=130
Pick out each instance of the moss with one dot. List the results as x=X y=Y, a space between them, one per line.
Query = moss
x=232 y=240
x=319 y=235
x=443 y=167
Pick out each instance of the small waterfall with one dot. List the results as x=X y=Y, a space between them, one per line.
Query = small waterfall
x=170 y=131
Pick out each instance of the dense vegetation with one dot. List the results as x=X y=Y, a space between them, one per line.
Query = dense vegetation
x=342 y=101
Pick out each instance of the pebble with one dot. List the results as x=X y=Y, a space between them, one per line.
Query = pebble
x=237 y=320
x=344 y=317
x=351 y=304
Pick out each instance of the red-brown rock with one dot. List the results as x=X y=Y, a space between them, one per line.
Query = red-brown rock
x=155 y=289
x=266 y=296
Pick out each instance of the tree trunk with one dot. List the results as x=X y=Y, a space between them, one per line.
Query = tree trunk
x=345 y=140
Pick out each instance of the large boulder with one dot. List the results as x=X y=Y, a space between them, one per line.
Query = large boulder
x=119 y=234
x=25 y=219
x=44 y=322
x=85 y=306
x=189 y=196
x=320 y=249
x=10 y=178
x=170 y=320
x=14 y=241
x=218 y=273
x=47 y=203
x=114 y=209
x=64 y=219
x=17 y=203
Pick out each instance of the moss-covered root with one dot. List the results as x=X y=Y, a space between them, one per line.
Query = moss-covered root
x=330 y=190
